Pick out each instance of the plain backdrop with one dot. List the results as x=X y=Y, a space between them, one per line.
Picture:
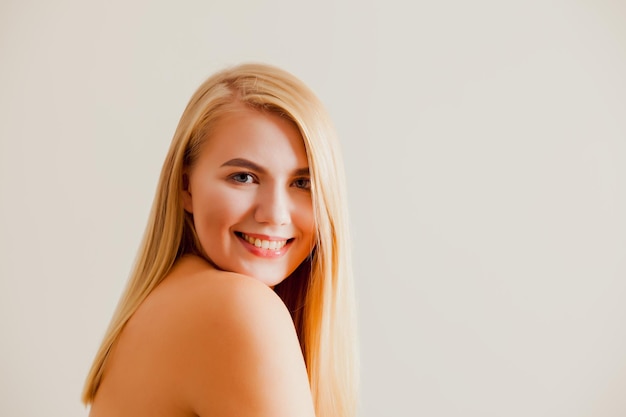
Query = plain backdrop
x=485 y=148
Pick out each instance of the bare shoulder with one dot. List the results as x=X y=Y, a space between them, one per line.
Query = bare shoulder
x=229 y=343
x=207 y=298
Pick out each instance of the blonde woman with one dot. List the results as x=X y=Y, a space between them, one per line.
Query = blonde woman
x=240 y=302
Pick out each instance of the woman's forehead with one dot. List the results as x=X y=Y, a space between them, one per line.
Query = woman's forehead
x=263 y=137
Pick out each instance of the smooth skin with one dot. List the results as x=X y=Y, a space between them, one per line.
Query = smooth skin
x=206 y=343
x=213 y=339
x=252 y=178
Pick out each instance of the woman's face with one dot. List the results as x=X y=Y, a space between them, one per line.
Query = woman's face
x=249 y=193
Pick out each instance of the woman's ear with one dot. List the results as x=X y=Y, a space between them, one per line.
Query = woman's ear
x=185 y=193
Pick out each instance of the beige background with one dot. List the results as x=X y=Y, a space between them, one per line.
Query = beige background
x=485 y=145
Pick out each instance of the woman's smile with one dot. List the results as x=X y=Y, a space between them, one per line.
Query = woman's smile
x=263 y=245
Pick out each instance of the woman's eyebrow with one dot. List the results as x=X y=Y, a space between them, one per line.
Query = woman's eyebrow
x=301 y=172
x=245 y=163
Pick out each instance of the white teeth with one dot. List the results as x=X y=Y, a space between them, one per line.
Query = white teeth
x=264 y=244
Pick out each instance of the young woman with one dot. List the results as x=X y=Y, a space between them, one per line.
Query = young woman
x=240 y=302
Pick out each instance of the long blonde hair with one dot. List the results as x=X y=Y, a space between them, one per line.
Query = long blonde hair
x=319 y=293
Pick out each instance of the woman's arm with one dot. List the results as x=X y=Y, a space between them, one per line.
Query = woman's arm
x=241 y=355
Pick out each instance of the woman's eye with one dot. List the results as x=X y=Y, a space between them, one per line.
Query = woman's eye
x=303 y=183
x=242 y=177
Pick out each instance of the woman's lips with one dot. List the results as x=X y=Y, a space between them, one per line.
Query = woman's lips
x=271 y=243
x=264 y=246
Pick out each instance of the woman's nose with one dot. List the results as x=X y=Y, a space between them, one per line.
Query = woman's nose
x=272 y=206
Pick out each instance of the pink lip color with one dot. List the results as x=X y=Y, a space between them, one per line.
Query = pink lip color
x=264 y=253
x=265 y=237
